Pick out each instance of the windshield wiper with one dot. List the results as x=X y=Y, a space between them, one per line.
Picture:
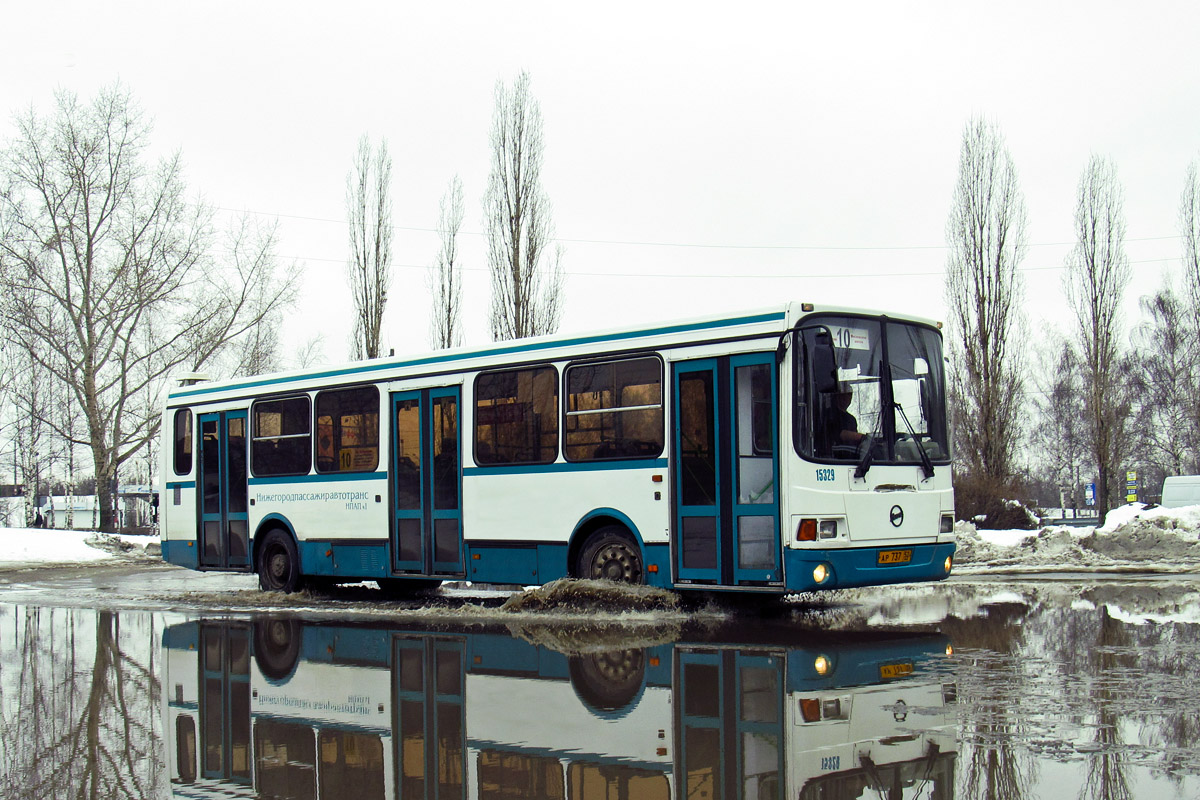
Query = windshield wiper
x=864 y=464
x=926 y=462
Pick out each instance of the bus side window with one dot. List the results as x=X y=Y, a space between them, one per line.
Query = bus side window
x=348 y=430
x=516 y=416
x=614 y=410
x=282 y=437
x=185 y=748
x=183 y=441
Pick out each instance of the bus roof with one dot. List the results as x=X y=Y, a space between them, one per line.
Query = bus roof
x=663 y=335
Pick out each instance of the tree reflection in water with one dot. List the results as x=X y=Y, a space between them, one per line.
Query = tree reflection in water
x=1106 y=779
x=78 y=705
x=993 y=728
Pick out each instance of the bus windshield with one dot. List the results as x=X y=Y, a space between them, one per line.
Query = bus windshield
x=869 y=385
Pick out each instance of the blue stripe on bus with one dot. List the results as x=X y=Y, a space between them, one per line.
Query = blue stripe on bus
x=378 y=366
x=181 y=485
x=569 y=466
x=322 y=478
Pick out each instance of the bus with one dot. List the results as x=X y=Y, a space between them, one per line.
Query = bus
x=282 y=708
x=776 y=451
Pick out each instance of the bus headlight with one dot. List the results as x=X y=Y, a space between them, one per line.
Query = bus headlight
x=827 y=529
x=821 y=665
x=949 y=563
x=947 y=523
x=820 y=573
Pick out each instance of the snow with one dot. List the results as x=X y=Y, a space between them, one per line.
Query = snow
x=1133 y=537
x=25 y=547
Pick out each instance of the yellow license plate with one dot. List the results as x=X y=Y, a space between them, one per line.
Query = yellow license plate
x=895 y=556
x=890 y=671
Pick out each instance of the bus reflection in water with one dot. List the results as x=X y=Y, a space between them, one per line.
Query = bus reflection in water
x=282 y=709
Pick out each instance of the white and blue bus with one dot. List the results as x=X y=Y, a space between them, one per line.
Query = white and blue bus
x=778 y=451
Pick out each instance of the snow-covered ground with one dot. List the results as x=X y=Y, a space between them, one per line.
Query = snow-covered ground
x=30 y=547
x=1133 y=538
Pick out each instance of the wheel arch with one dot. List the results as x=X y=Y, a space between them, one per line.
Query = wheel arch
x=590 y=523
x=272 y=522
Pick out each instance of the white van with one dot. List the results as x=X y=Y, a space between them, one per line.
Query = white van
x=1181 y=490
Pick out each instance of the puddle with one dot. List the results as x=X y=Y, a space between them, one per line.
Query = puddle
x=1012 y=690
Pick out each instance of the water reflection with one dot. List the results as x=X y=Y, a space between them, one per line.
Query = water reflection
x=280 y=709
x=1053 y=690
x=79 y=705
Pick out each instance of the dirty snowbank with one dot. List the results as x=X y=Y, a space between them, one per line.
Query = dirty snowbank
x=1134 y=537
x=30 y=547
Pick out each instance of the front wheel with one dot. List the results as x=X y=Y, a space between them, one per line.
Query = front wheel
x=278 y=563
x=611 y=554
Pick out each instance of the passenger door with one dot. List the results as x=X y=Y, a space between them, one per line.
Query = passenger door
x=426 y=483
x=224 y=518
x=726 y=469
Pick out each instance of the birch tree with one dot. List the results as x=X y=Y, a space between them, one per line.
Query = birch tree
x=1097 y=275
x=369 y=212
x=110 y=272
x=445 y=276
x=527 y=279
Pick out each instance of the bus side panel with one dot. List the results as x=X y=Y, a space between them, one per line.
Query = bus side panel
x=177 y=521
x=323 y=511
x=524 y=518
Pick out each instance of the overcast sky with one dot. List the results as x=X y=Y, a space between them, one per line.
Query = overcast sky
x=700 y=158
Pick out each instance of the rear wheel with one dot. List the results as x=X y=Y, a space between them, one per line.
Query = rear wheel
x=611 y=554
x=278 y=563
x=608 y=681
x=277 y=646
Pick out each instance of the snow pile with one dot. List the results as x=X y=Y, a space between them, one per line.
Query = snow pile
x=1133 y=537
x=26 y=547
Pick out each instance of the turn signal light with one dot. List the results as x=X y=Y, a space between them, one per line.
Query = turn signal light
x=807 y=531
x=811 y=710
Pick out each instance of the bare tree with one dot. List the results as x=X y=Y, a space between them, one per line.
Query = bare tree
x=30 y=397
x=1189 y=224
x=369 y=212
x=1097 y=276
x=1060 y=436
x=527 y=281
x=109 y=272
x=1164 y=381
x=986 y=238
x=445 y=275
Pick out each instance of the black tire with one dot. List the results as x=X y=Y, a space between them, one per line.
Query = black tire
x=279 y=563
x=277 y=646
x=608 y=681
x=611 y=553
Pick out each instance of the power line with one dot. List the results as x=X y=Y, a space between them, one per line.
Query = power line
x=739 y=276
x=693 y=245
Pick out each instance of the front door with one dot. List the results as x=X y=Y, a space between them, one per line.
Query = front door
x=726 y=525
x=430 y=736
x=730 y=723
x=426 y=483
x=224 y=521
